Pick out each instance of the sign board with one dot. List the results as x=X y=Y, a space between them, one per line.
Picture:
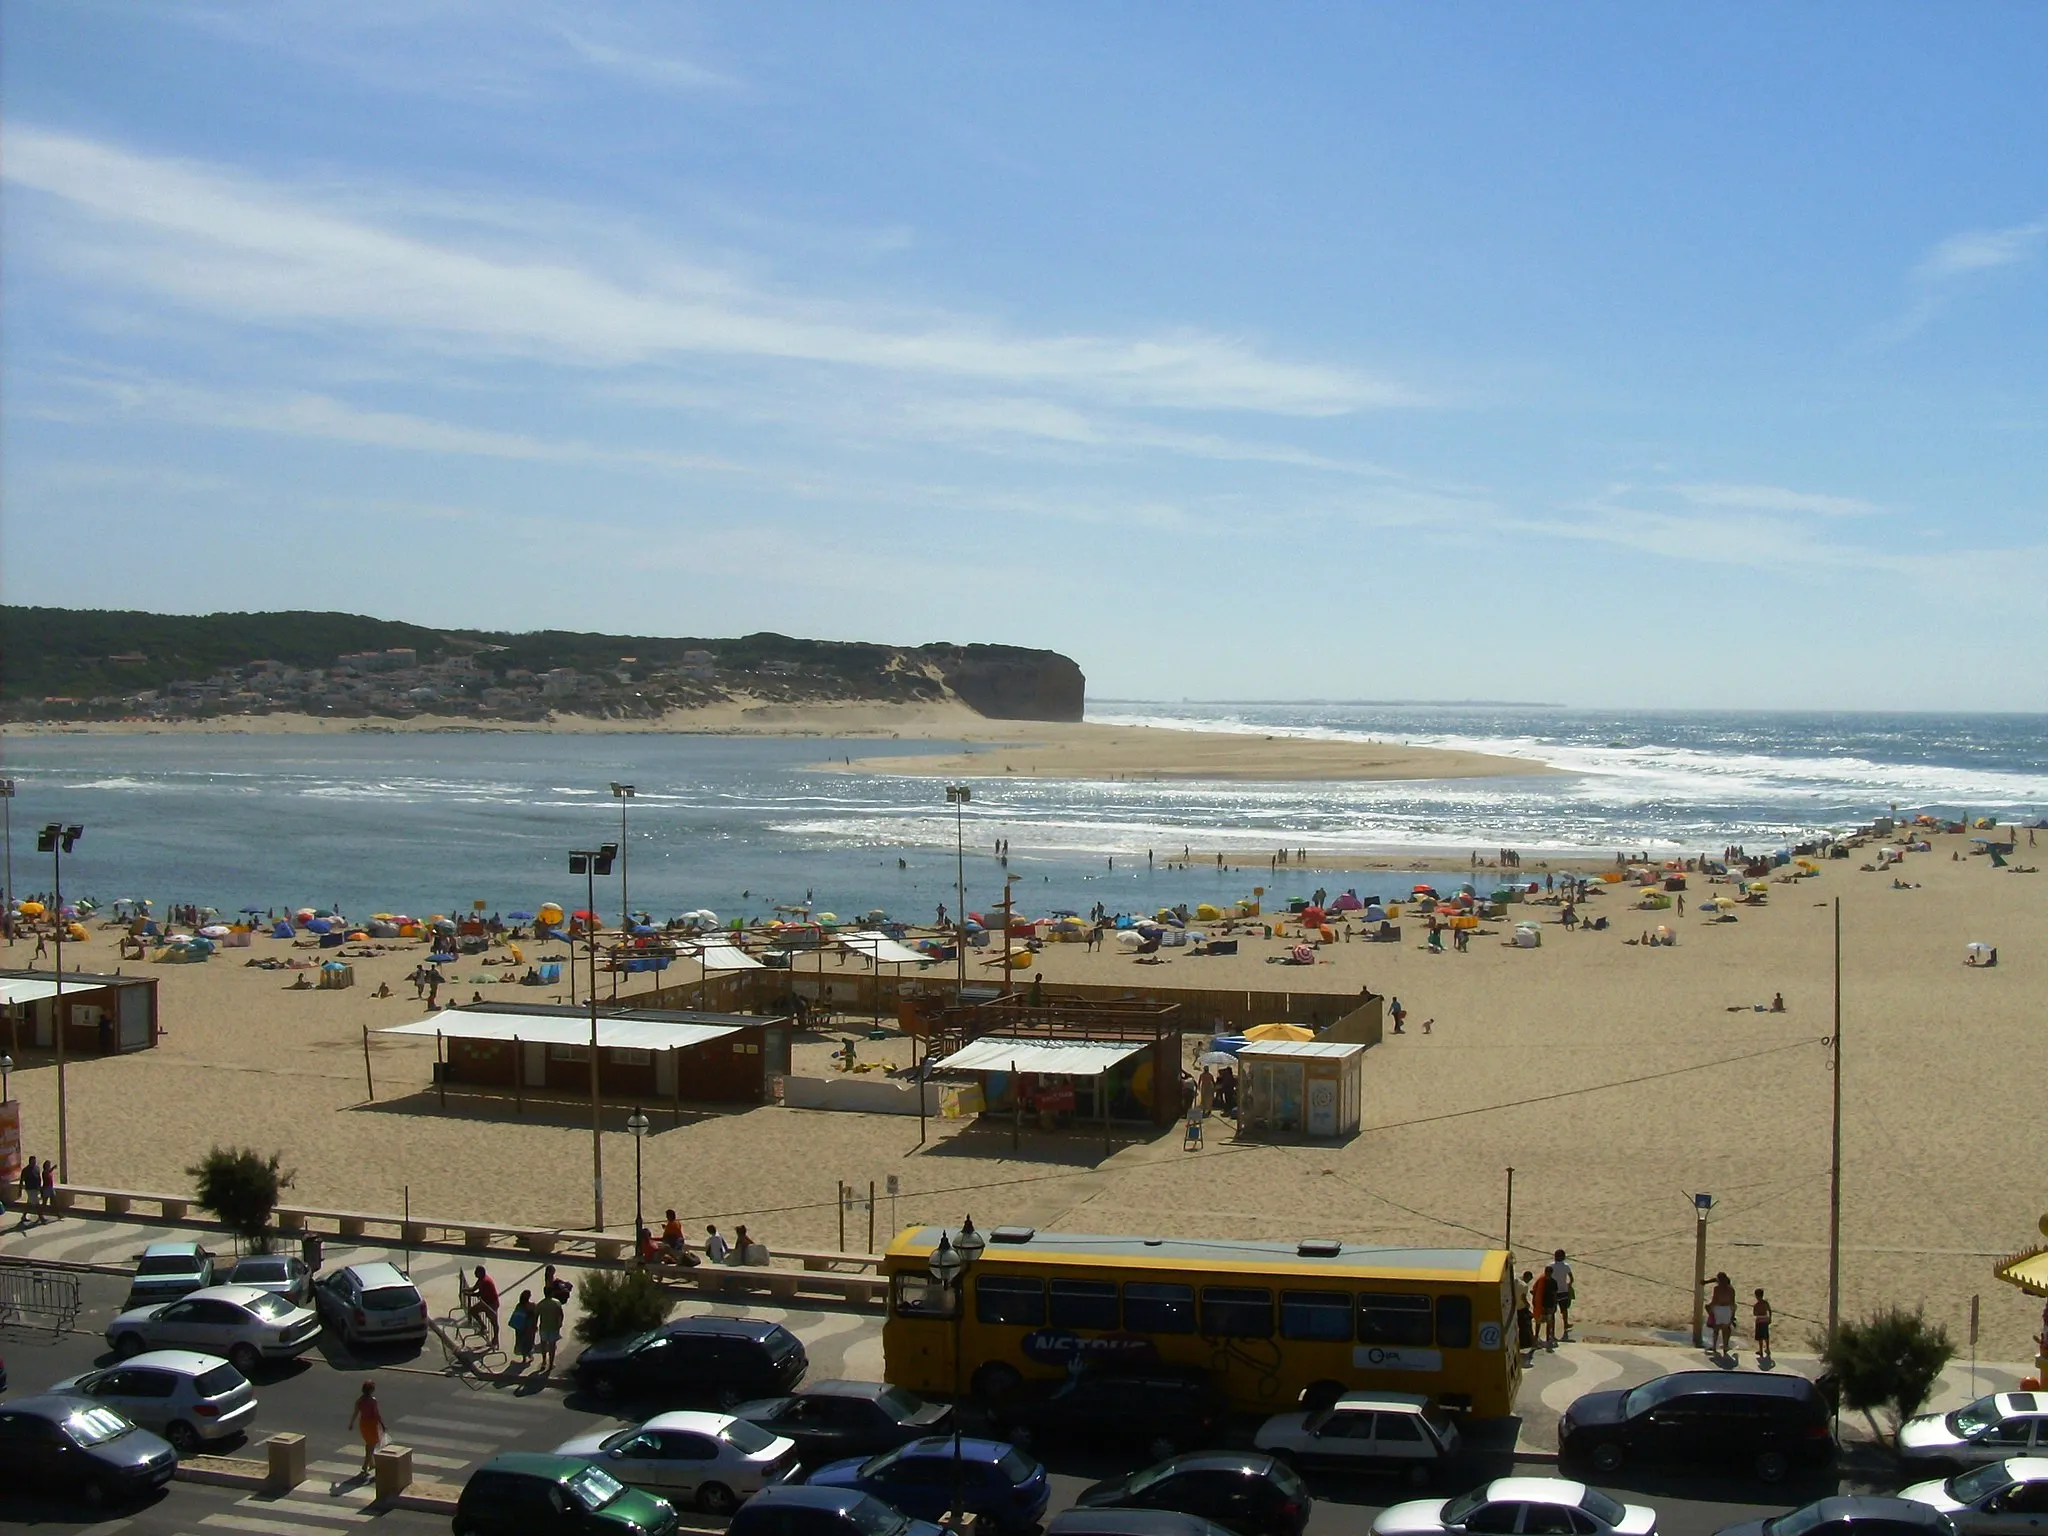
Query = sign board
x=1383 y=1357
x=10 y=1140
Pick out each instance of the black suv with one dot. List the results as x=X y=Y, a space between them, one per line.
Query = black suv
x=719 y=1360
x=1715 y=1420
x=1163 y=1411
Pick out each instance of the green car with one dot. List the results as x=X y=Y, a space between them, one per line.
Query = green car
x=526 y=1494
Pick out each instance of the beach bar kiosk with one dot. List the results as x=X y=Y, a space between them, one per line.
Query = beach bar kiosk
x=1310 y=1088
x=103 y=1015
x=645 y=1055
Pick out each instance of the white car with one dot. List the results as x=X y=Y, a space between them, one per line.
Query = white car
x=246 y=1325
x=1366 y=1432
x=2006 y=1496
x=187 y=1398
x=1990 y=1429
x=711 y=1458
x=1530 y=1506
x=371 y=1304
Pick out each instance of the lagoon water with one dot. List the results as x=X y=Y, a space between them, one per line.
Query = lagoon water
x=372 y=821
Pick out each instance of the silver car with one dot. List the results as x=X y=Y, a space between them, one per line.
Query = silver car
x=246 y=1325
x=371 y=1304
x=187 y=1398
x=167 y=1271
x=2004 y=1497
x=275 y=1272
x=1519 y=1504
x=1990 y=1429
x=711 y=1458
x=1366 y=1432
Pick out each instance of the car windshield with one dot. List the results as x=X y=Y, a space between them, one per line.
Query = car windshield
x=897 y=1403
x=1601 y=1507
x=1798 y=1523
x=1017 y=1467
x=272 y=1309
x=883 y=1462
x=1138 y=1482
x=871 y=1517
x=594 y=1487
x=96 y=1426
x=168 y=1264
x=1650 y=1394
x=221 y=1379
x=1463 y=1505
x=1981 y=1414
x=1978 y=1482
x=251 y=1271
x=747 y=1439
x=781 y=1343
x=392 y=1298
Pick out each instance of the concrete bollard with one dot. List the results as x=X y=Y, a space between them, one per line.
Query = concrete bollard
x=393 y=1466
x=117 y=1205
x=173 y=1208
x=412 y=1233
x=287 y=1462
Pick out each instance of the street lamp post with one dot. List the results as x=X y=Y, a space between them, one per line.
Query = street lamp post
x=590 y=863
x=949 y=1264
x=622 y=793
x=637 y=1123
x=6 y=1066
x=57 y=840
x=957 y=796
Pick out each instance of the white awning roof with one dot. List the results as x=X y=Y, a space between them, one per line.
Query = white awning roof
x=880 y=948
x=563 y=1029
x=1076 y=1058
x=1300 y=1050
x=720 y=956
x=30 y=989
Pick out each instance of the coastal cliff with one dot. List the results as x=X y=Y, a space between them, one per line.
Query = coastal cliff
x=63 y=665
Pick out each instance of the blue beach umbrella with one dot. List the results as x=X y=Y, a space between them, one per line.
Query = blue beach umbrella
x=520 y=917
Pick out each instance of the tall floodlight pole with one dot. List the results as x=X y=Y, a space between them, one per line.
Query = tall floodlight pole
x=56 y=840
x=1835 y=1155
x=622 y=793
x=590 y=863
x=957 y=796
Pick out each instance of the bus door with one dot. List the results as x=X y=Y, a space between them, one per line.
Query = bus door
x=920 y=1333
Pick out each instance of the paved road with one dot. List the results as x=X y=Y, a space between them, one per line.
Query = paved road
x=455 y=1422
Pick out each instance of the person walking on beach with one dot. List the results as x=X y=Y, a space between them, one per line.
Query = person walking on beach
x=50 y=1211
x=31 y=1193
x=367 y=1419
x=1400 y=1016
x=1562 y=1284
x=1760 y=1310
x=548 y=1323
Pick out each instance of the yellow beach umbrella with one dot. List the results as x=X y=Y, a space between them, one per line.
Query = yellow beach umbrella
x=1279 y=1032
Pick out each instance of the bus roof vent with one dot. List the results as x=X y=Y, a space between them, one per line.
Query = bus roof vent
x=1319 y=1247
x=1013 y=1234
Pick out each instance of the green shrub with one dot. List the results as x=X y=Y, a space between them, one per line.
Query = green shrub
x=1889 y=1360
x=620 y=1303
x=240 y=1188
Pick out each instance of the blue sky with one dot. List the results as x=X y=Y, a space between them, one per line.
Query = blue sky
x=1619 y=355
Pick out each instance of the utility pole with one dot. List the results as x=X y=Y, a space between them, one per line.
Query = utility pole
x=1701 y=1204
x=622 y=793
x=590 y=863
x=957 y=796
x=1835 y=1155
x=1508 y=1237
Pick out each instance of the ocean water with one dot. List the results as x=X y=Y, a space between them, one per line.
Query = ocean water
x=429 y=823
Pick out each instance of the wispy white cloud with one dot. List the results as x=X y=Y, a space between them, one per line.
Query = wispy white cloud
x=1773 y=498
x=644 y=65
x=255 y=254
x=1978 y=250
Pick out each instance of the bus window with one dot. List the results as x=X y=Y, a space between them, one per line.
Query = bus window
x=919 y=1295
x=1084 y=1304
x=1229 y=1312
x=1159 y=1308
x=1006 y=1299
x=1315 y=1315
x=1454 y=1322
x=1387 y=1317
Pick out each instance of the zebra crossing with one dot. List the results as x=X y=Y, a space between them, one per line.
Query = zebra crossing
x=446 y=1440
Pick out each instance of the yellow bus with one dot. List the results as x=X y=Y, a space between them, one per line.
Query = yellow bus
x=1265 y=1320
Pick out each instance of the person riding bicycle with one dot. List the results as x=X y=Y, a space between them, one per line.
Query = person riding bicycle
x=480 y=1303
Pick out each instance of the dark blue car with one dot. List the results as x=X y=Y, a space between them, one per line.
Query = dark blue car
x=996 y=1481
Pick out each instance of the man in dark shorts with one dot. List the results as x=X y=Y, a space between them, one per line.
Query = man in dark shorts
x=1761 y=1311
x=1562 y=1284
x=1525 y=1317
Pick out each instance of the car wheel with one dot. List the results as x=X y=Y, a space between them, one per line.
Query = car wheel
x=716 y=1499
x=994 y=1382
x=245 y=1358
x=1607 y=1457
x=604 y=1387
x=1772 y=1466
x=129 y=1344
x=1159 y=1447
x=97 y=1493
x=183 y=1437
x=1419 y=1475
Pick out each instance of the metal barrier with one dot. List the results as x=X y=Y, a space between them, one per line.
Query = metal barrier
x=29 y=1294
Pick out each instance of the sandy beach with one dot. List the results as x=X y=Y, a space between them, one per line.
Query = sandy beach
x=1616 y=1080
x=989 y=748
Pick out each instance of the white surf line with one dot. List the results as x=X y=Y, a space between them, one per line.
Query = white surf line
x=1589 y=1369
